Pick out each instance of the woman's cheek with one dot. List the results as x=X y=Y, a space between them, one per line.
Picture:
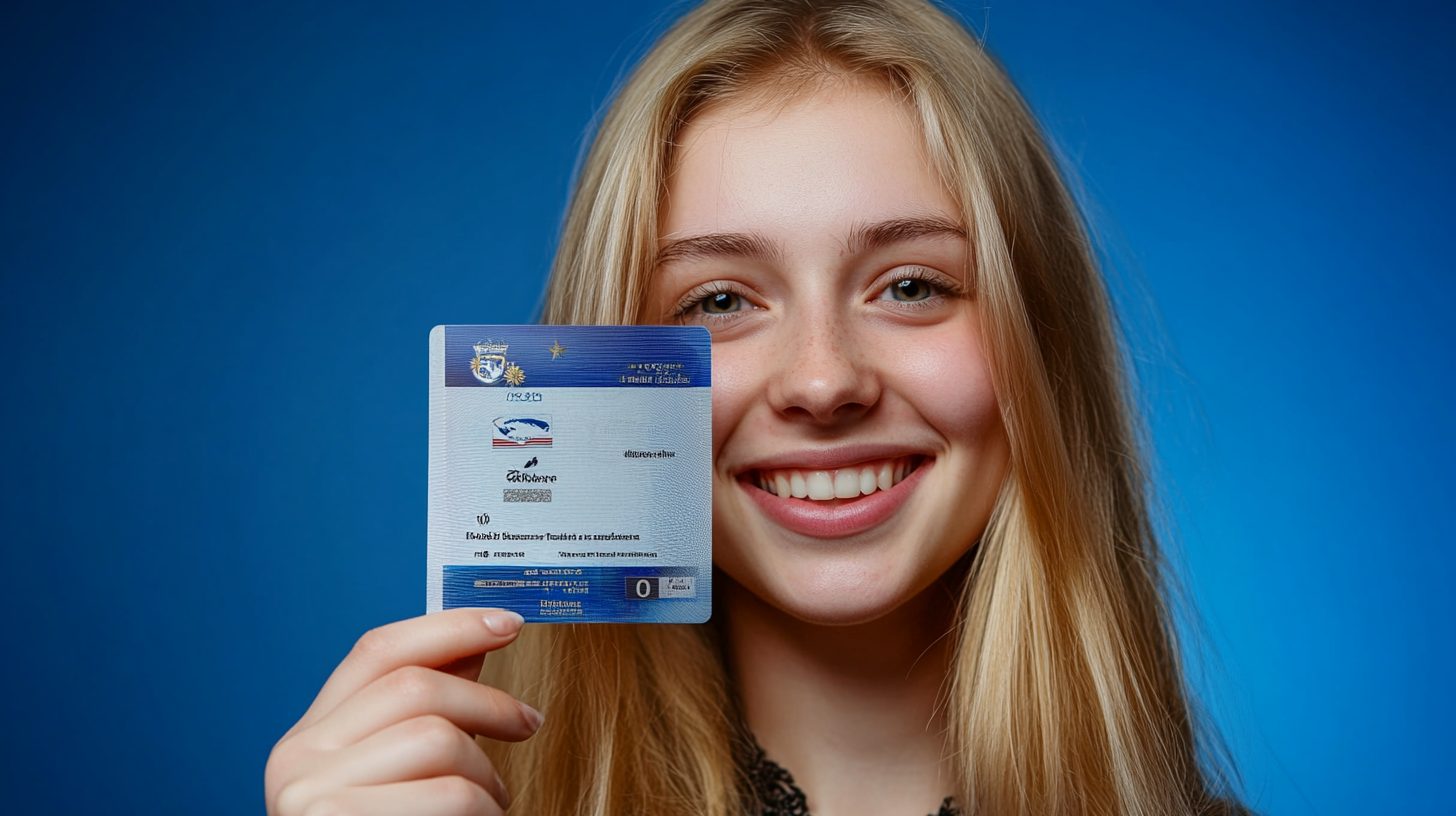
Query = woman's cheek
x=735 y=380
x=943 y=373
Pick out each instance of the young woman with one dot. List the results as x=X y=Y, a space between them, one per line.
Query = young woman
x=939 y=587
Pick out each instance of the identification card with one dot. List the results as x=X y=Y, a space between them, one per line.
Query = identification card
x=571 y=472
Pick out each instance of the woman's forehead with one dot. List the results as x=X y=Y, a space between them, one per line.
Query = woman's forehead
x=760 y=103
x=848 y=153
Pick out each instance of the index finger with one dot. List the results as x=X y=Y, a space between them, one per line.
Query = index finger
x=430 y=640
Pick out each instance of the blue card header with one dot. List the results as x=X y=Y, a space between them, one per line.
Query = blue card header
x=578 y=357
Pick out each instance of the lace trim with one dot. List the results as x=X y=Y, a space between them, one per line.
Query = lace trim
x=779 y=796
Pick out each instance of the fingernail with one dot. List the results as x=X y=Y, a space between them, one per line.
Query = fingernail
x=503 y=622
x=533 y=717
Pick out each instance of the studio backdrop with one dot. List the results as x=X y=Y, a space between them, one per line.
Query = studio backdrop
x=226 y=230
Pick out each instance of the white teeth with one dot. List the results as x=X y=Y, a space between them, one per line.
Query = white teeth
x=867 y=481
x=840 y=483
x=781 y=485
x=820 y=487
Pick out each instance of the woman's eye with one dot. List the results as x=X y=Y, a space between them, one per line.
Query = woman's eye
x=713 y=302
x=910 y=290
x=721 y=303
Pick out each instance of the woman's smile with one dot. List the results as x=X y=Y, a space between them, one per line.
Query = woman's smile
x=841 y=502
x=834 y=482
x=858 y=446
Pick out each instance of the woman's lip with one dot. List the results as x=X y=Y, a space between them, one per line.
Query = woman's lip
x=830 y=459
x=839 y=519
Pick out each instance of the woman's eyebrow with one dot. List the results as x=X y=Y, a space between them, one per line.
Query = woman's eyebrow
x=718 y=245
x=862 y=238
x=866 y=237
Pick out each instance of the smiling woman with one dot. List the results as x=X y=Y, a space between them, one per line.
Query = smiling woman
x=940 y=586
x=927 y=496
x=813 y=238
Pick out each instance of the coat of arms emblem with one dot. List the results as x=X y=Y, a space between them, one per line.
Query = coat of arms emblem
x=490 y=365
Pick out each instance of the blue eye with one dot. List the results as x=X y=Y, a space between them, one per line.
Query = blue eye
x=721 y=303
x=910 y=290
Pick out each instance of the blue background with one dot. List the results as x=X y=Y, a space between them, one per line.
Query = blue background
x=228 y=228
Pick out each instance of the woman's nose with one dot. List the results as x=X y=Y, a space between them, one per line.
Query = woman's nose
x=821 y=373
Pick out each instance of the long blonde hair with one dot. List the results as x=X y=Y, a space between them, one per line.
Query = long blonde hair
x=1066 y=694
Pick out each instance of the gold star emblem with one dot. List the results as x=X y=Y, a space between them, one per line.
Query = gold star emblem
x=556 y=349
x=514 y=374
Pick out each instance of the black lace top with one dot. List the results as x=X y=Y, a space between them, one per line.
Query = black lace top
x=779 y=796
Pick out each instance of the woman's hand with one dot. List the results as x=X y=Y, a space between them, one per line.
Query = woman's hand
x=391 y=730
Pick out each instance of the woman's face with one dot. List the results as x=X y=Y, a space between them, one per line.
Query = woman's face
x=857 y=444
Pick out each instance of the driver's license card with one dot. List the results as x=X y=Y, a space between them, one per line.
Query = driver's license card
x=571 y=472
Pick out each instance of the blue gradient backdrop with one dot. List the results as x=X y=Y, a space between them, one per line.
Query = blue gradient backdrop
x=228 y=228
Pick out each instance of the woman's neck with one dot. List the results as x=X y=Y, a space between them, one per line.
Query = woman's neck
x=849 y=711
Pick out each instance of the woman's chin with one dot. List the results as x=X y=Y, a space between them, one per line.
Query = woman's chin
x=834 y=595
